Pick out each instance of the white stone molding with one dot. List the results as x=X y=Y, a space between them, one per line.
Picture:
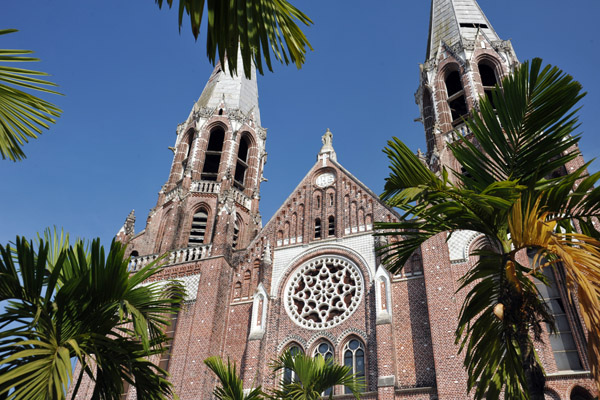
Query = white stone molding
x=323 y=292
x=459 y=243
x=383 y=296
x=259 y=313
x=361 y=247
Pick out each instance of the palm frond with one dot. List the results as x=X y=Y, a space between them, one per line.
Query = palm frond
x=254 y=27
x=22 y=115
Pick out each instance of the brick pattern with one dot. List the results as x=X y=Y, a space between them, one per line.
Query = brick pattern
x=410 y=351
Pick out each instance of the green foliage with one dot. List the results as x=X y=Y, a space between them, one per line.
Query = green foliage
x=64 y=302
x=506 y=194
x=256 y=27
x=313 y=377
x=232 y=387
x=22 y=115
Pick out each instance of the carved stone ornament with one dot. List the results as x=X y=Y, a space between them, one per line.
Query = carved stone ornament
x=262 y=133
x=203 y=112
x=323 y=292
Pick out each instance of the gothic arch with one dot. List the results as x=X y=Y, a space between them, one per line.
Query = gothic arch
x=579 y=393
x=213 y=154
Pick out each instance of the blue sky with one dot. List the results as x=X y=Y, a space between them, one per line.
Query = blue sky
x=129 y=78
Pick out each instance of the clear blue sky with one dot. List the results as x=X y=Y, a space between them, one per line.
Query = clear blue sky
x=129 y=78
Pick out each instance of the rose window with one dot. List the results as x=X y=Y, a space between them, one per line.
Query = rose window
x=323 y=292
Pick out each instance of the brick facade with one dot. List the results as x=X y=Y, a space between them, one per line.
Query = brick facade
x=243 y=271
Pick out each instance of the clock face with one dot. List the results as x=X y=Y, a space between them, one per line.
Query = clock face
x=325 y=179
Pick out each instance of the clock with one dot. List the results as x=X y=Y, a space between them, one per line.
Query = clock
x=325 y=179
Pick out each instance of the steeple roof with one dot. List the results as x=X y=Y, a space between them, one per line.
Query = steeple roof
x=237 y=92
x=452 y=21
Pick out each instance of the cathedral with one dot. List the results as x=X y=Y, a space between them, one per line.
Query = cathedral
x=310 y=279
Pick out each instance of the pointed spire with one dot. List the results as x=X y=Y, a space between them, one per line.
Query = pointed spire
x=236 y=92
x=128 y=228
x=453 y=21
x=327 y=148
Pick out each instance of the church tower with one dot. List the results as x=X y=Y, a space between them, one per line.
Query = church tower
x=465 y=58
x=209 y=203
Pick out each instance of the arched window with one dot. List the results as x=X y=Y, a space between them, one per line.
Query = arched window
x=354 y=357
x=488 y=79
x=198 y=231
x=318 y=228
x=428 y=119
x=326 y=351
x=237 y=290
x=241 y=165
x=288 y=374
x=579 y=393
x=456 y=97
x=189 y=139
x=331 y=230
x=210 y=171
x=563 y=341
x=247 y=283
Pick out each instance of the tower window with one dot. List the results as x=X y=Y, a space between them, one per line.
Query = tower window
x=456 y=97
x=198 y=231
x=488 y=80
x=331 y=231
x=318 y=228
x=242 y=164
x=189 y=139
x=354 y=357
x=210 y=170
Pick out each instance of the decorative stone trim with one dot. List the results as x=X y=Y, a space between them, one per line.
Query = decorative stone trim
x=323 y=292
x=383 y=296
x=351 y=332
x=259 y=313
x=292 y=338
x=386 y=381
x=187 y=254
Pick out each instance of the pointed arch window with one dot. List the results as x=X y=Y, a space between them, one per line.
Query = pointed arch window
x=563 y=340
x=456 y=97
x=326 y=351
x=318 y=228
x=289 y=375
x=488 y=79
x=241 y=165
x=210 y=171
x=189 y=139
x=198 y=231
x=354 y=357
x=331 y=230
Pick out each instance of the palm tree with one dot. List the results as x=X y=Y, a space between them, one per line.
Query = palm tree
x=63 y=303
x=507 y=193
x=232 y=386
x=313 y=377
x=257 y=27
x=22 y=115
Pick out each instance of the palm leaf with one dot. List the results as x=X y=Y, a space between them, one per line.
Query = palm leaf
x=254 y=27
x=22 y=115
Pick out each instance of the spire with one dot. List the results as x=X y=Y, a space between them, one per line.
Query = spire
x=454 y=21
x=327 y=148
x=236 y=92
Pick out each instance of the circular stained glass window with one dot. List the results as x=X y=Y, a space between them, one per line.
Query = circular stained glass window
x=323 y=292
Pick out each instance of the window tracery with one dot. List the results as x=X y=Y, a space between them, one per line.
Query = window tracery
x=323 y=292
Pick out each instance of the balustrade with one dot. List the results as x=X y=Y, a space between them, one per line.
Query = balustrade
x=178 y=256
